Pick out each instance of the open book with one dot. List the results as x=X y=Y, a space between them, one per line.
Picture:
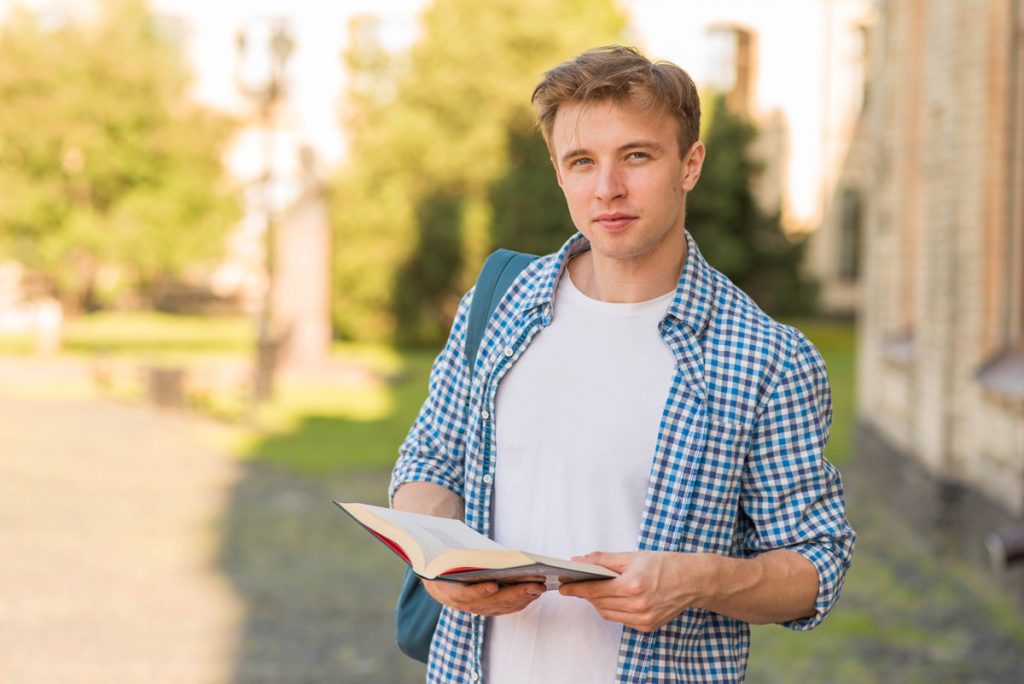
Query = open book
x=446 y=549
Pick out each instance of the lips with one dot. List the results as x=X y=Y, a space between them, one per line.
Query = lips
x=615 y=222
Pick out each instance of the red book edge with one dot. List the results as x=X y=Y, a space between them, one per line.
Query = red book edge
x=391 y=545
x=456 y=571
x=387 y=542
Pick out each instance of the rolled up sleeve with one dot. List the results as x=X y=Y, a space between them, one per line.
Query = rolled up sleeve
x=791 y=495
x=434 y=449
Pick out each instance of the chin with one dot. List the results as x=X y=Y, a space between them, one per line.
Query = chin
x=619 y=246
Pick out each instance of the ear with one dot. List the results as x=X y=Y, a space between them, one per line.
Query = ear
x=693 y=162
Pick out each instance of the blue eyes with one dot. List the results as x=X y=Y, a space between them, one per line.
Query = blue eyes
x=587 y=161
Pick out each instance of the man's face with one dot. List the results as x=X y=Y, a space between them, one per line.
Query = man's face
x=622 y=177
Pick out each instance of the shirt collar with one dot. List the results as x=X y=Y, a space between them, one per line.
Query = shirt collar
x=694 y=293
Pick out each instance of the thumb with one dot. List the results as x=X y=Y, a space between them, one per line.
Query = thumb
x=483 y=589
x=613 y=561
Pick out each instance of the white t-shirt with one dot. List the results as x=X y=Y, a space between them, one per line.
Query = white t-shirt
x=576 y=426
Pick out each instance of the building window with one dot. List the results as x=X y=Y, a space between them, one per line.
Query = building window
x=731 y=65
x=850 y=213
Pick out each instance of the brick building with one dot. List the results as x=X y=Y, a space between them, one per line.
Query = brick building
x=932 y=198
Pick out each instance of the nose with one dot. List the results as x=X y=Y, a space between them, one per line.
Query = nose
x=610 y=184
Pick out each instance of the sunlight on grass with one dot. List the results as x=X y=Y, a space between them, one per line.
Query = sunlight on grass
x=144 y=333
x=147 y=332
x=339 y=422
x=16 y=344
x=322 y=429
x=371 y=400
x=837 y=342
x=385 y=361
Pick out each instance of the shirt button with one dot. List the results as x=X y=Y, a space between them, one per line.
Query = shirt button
x=509 y=351
x=547 y=311
x=487 y=479
x=485 y=415
x=474 y=676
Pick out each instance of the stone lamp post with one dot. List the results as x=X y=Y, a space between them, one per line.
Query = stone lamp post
x=263 y=49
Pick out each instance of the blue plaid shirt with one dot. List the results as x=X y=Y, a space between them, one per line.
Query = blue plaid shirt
x=738 y=468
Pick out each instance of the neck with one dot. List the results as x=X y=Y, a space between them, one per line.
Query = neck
x=630 y=280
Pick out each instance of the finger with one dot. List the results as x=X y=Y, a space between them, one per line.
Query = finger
x=591 y=590
x=628 y=619
x=575 y=589
x=459 y=595
x=619 y=603
x=520 y=590
x=511 y=594
x=480 y=590
x=522 y=603
x=504 y=604
x=613 y=561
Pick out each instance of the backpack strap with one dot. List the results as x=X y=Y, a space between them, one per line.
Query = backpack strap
x=497 y=274
x=417 y=612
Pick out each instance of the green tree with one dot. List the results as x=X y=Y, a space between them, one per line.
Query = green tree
x=737 y=237
x=530 y=214
x=433 y=134
x=102 y=159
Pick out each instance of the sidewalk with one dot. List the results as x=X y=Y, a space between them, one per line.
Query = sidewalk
x=108 y=545
x=134 y=549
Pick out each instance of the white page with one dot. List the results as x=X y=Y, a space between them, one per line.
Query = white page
x=437 y=535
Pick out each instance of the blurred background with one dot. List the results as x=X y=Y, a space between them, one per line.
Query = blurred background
x=233 y=234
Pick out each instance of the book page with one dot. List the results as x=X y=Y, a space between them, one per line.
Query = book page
x=437 y=535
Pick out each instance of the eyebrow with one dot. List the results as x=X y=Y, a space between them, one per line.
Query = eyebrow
x=637 y=144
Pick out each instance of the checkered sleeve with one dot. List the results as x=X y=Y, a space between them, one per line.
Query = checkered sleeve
x=434 y=449
x=792 y=496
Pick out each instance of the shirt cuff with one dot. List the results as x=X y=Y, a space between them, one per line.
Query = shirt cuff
x=831 y=575
x=399 y=479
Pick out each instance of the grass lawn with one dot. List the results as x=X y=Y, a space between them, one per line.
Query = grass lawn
x=836 y=340
x=145 y=333
x=319 y=429
x=334 y=425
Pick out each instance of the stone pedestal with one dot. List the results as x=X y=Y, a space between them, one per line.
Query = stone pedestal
x=302 y=282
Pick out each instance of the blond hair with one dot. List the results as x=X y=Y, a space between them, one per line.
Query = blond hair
x=624 y=76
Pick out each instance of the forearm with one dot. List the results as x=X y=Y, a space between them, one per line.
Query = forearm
x=776 y=586
x=428 y=498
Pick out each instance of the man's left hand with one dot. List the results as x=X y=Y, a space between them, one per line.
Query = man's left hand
x=652 y=588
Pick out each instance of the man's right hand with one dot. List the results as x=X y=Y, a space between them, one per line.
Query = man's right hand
x=485 y=598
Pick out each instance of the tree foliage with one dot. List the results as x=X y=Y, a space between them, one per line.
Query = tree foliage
x=102 y=160
x=734 y=233
x=446 y=163
x=530 y=214
x=416 y=208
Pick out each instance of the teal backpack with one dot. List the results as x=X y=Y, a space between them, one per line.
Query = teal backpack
x=417 y=612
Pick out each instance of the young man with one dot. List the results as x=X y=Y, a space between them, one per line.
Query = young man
x=630 y=407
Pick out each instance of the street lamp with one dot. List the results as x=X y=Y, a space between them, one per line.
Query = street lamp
x=263 y=49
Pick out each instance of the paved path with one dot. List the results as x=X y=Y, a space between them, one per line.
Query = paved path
x=134 y=549
x=108 y=546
